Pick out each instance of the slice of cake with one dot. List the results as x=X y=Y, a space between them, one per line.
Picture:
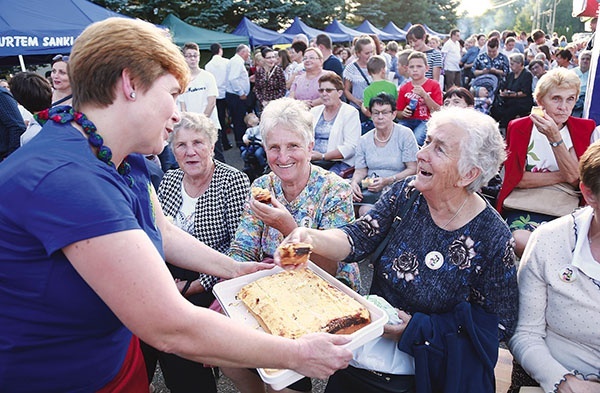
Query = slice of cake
x=294 y=303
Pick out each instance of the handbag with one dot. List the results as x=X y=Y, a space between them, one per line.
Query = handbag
x=554 y=200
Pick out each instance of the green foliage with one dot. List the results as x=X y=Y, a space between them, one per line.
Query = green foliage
x=519 y=16
x=439 y=15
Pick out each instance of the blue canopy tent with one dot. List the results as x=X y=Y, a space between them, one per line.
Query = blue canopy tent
x=427 y=29
x=431 y=32
x=299 y=27
x=258 y=36
x=391 y=28
x=368 y=28
x=338 y=28
x=39 y=30
x=183 y=32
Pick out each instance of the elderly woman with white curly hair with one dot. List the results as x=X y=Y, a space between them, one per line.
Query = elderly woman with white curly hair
x=451 y=248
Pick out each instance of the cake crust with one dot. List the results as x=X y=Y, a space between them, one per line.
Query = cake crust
x=261 y=194
x=294 y=253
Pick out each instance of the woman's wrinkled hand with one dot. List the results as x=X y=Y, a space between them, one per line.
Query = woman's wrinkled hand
x=546 y=125
x=572 y=384
x=321 y=354
x=274 y=215
x=394 y=332
x=357 y=195
x=377 y=184
x=298 y=235
x=243 y=268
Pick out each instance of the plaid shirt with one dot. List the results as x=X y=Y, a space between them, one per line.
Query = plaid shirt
x=218 y=210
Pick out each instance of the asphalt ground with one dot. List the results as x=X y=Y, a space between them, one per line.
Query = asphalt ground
x=224 y=385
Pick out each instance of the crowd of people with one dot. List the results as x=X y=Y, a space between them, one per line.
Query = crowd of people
x=462 y=170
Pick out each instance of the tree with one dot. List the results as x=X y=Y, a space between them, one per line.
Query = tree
x=439 y=15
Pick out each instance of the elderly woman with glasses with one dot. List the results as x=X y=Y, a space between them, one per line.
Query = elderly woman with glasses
x=60 y=81
x=306 y=86
x=384 y=155
x=336 y=127
x=269 y=80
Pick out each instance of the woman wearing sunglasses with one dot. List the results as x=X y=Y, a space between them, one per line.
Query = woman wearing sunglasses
x=336 y=126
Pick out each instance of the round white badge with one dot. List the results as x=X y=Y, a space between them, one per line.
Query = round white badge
x=568 y=274
x=434 y=260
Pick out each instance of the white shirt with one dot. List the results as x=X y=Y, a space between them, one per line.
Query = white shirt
x=197 y=93
x=451 y=50
x=218 y=67
x=237 y=80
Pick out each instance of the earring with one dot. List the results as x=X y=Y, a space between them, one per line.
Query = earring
x=132 y=95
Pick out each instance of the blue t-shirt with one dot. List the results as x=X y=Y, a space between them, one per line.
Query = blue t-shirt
x=56 y=334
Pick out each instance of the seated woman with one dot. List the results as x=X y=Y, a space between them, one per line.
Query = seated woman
x=205 y=198
x=302 y=195
x=384 y=155
x=458 y=97
x=515 y=94
x=306 y=85
x=544 y=150
x=557 y=340
x=451 y=247
x=336 y=127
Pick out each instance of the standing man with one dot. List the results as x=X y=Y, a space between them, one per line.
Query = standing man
x=237 y=90
x=451 y=51
x=200 y=95
x=11 y=124
x=583 y=72
x=331 y=63
x=218 y=67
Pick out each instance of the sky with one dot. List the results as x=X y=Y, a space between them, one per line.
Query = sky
x=474 y=7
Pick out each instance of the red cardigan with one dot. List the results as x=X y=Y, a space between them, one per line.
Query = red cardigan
x=518 y=134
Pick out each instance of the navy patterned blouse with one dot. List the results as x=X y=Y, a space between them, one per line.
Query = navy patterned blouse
x=428 y=269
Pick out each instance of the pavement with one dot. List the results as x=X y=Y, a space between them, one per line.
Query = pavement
x=224 y=384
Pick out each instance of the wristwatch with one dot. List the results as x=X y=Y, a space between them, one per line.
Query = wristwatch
x=556 y=144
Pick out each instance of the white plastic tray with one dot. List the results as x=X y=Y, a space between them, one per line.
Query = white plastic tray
x=226 y=292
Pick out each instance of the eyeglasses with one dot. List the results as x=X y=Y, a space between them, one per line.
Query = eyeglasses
x=311 y=58
x=60 y=58
x=378 y=113
x=326 y=90
x=191 y=56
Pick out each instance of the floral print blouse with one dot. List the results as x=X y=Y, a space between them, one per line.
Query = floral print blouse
x=325 y=202
x=427 y=269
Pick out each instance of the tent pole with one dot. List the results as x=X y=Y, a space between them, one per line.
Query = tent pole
x=22 y=62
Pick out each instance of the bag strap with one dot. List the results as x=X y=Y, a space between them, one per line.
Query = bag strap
x=405 y=208
x=362 y=73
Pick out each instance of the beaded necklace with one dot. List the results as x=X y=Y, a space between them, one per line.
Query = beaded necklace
x=66 y=114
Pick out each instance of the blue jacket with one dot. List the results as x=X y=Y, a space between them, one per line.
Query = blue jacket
x=454 y=352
